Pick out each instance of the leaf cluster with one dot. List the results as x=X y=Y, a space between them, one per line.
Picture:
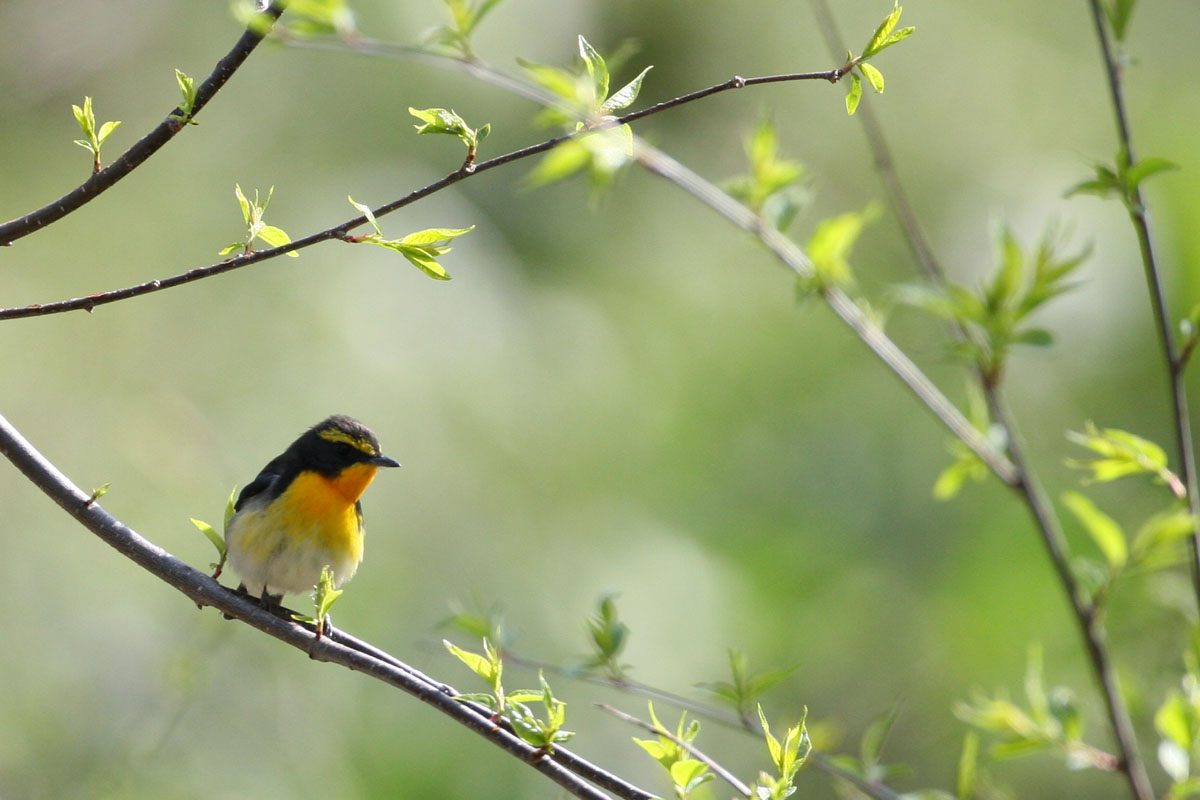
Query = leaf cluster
x=744 y=688
x=829 y=248
x=787 y=756
x=325 y=594
x=966 y=464
x=94 y=137
x=993 y=316
x=422 y=248
x=440 y=120
x=1119 y=454
x=686 y=772
x=770 y=188
x=1158 y=542
x=210 y=533
x=1049 y=721
x=515 y=706
x=585 y=105
x=1124 y=180
x=869 y=764
x=884 y=37
x=187 y=90
x=608 y=635
x=256 y=226
x=465 y=17
x=1177 y=722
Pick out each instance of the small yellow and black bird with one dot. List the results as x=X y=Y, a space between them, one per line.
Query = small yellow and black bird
x=302 y=513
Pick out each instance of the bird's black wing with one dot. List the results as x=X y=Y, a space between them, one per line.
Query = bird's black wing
x=261 y=483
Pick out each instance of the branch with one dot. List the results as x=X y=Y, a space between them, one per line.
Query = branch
x=340 y=231
x=792 y=257
x=820 y=761
x=727 y=776
x=145 y=147
x=561 y=766
x=1027 y=485
x=1175 y=360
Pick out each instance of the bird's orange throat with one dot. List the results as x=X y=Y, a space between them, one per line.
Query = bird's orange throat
x=351 y=482
x=316 y=496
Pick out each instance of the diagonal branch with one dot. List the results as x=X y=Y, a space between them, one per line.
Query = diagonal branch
x=824 y=762
x=561 y=766
x=739 y=786
x=145 y=147
x=1176 y=361
x=340 y=231
x=873 y=336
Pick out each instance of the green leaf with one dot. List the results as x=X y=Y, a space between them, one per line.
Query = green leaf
x=830 y=245
x=1105 y=532
x=187 y=88
x=596 y=68
x=325 y=594
x=366 y=212
x=1105 y=182
x=488 y=666
x=431 y=235
x=424 y=262
x=1175 y=719
x=106 y=130
x=684 y=772
x=1037 y=337
x=477 y=697
x=242 y=202
x=854 y=95
x=1143 y=169
x=1122 y=453
x=883 y=32
x=85 y=117
x=1118 y=13
x=563 y=161
x=871 y=745
x=218 y=541
x=773 y=745
x=276 y=238
x=899 y=36
x=968 y=767
x=553 y=79
x=1162 y=532
x=1006 y=281
x=873 y=76
x=230 y=507
x=624 y=97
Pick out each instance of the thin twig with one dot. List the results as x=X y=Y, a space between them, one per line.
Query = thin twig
x=340 y=231
x=820 y=761
x=342 y=650
x=1175 y=360
x=145 y=147
x=696 y=752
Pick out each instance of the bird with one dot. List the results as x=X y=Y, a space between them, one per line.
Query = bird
x=303 y=512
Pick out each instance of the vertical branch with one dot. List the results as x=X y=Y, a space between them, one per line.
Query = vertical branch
x=1027 y=484
x=1175 y=361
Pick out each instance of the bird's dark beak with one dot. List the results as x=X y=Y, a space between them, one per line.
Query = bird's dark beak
x=383 y=461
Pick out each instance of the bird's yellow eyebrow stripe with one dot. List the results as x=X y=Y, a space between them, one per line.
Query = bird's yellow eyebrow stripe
x=334 y=435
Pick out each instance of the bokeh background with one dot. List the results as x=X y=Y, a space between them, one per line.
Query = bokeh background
x=614 y=395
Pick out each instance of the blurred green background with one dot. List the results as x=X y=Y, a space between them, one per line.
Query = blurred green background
x=616 y=396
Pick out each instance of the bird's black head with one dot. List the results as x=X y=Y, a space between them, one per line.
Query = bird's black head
x=336 y=443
